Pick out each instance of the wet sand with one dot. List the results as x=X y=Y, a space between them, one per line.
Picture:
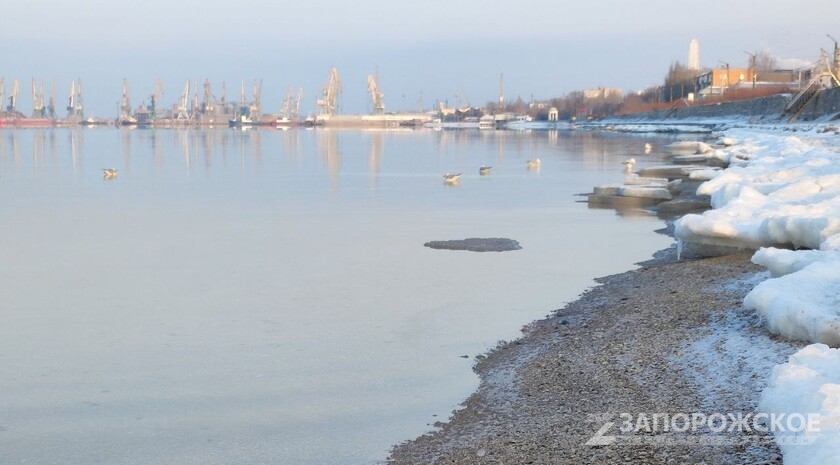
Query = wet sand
x=671 y=336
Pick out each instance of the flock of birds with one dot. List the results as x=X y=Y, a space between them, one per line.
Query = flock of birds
x=448 y=178
x=452 y=178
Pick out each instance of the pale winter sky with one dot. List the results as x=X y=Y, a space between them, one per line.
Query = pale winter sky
x=451 y=50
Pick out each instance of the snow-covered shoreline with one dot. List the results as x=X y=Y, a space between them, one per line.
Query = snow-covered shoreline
x=781 y=195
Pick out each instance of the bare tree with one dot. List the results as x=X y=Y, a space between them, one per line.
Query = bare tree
x=763 y=61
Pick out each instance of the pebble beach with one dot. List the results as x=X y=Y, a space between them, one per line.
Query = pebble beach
x=626 y=345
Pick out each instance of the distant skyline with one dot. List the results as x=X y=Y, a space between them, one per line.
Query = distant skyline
x=423 y=51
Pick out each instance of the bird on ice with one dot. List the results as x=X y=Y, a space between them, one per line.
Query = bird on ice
x=451 y=178
x=109 y=173
x=534 y=164
x=484 y=170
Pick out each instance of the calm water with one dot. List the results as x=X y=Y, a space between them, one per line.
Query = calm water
x=265 y=296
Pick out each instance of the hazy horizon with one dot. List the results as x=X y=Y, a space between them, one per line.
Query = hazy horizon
x=422 y=52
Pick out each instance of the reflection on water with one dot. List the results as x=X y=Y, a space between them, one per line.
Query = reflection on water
x=205 y=147
x=264 y=296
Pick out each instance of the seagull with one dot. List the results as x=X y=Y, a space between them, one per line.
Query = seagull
x=648 y=147
x=109 y=173
x=629 y=163
x=534 y=164
x=484 y=170
x=449 y=178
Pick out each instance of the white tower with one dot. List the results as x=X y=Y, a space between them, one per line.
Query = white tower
x=694 y=55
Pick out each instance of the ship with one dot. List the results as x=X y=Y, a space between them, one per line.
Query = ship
x=15 y=119
x=242 y=120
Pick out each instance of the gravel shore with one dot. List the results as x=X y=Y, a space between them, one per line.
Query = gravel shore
x=669 y=337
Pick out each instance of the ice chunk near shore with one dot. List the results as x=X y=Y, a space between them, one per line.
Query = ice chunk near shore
x=688 y=147
x=809 y=383
x=804 y=304
x=706 y=174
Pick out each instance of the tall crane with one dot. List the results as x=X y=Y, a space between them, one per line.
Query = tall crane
x=37 y=100
x=196 y=107
x=330 y=93
x=51 y=104
x=183 y=109
x=243 y=106
x=71 y=104
x=79 y=103
x=74 y=105
x=286 y=109
x=296 y=108
x=375 y=94
x=13 y=98
x=154 y=98
x=207 y=106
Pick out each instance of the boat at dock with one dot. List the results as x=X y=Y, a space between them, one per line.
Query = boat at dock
x=17 y=120
x=241 y=121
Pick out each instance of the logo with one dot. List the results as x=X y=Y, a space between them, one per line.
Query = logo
x=696 y=428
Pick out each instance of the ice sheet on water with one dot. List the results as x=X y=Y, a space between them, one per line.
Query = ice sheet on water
x=808 y=383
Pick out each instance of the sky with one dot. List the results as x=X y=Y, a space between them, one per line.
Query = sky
x=454 y=51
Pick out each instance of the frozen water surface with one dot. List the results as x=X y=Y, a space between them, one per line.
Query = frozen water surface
x=265 y=296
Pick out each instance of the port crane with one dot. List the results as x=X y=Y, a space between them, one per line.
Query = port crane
x=207 y=106
x=286 y=109
x=196 y=108
x=37 y=100
x=74 y=107
x=51 y=104
x=183 y=111
x=375 y=94
x=330 y=93
x=154 y=98
x=296 y=108
x=13 y=97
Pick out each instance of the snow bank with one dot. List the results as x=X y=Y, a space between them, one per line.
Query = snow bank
x=805 y=303
x=786 y=193
x=808 y=383
x=781 y=195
